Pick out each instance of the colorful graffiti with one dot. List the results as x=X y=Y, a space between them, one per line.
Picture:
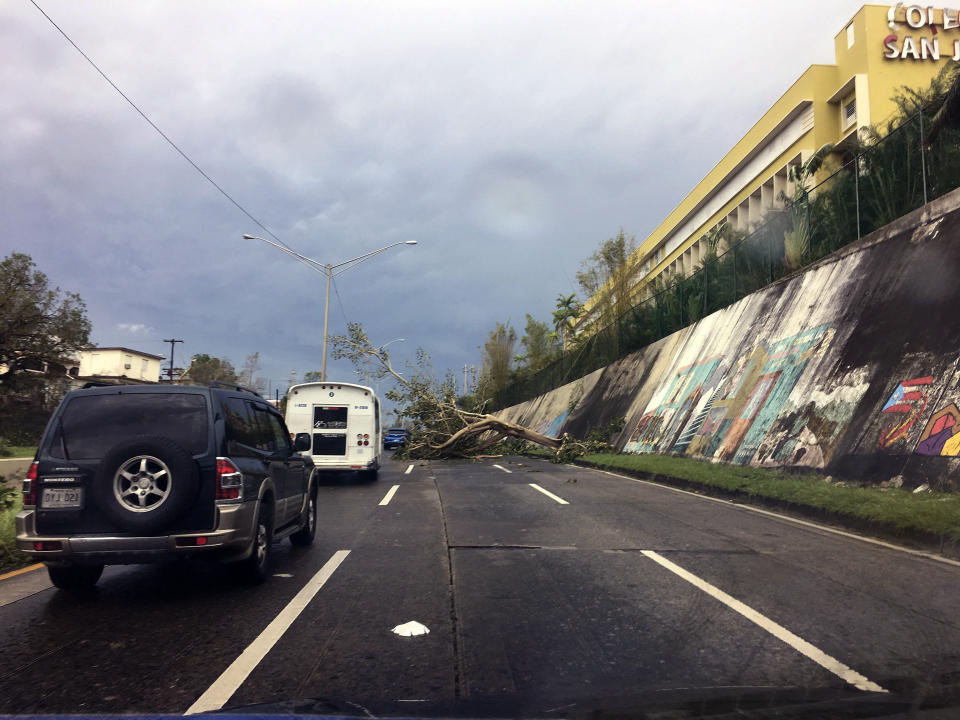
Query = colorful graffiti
x=941 y=435
x=553 y=429
x=725 y=412
x=662 y=429
x=908 y=399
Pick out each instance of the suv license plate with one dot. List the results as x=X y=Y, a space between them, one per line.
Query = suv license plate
x=62 y=498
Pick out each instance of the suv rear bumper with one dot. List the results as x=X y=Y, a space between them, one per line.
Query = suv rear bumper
x=231 y=540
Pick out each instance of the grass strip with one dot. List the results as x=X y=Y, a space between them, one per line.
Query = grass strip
x=905 y=512
x=19 y=451
x=10 y=557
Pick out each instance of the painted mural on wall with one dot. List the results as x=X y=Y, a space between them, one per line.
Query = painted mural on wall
x=905 y=405
x=871 y=389
x=727 y=410
x=940 y=435
x=552 y=427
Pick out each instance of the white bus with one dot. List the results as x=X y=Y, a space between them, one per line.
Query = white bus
x=343 y=421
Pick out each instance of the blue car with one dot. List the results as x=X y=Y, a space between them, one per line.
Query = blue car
x=395 y=437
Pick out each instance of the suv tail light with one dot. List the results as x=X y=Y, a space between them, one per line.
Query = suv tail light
x=30 y=486
x=229 y=480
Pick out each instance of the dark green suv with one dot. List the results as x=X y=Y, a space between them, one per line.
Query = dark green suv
x=141 y=473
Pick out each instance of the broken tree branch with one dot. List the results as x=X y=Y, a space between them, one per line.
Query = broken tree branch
x=442 y=427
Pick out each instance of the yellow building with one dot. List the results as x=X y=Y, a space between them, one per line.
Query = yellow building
x=880 y=50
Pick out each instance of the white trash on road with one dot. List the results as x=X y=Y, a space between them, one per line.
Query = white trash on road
x=410 y=629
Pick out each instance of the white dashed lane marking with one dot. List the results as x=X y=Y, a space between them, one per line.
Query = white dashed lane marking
x=778 y=631
x=549 y=494
x=223 y=688
x=389 y=496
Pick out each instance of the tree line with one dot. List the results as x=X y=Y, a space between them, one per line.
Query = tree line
x=605 y=276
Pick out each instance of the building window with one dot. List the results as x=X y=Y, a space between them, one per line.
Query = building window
x=849 y=36
x=143 y=366
x=849 y=113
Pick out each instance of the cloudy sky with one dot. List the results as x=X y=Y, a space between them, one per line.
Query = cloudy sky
x=507 y=138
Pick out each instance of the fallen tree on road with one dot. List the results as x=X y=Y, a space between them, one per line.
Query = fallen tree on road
x=443 y=429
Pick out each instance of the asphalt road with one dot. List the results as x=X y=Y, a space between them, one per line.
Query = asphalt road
x=589 y=591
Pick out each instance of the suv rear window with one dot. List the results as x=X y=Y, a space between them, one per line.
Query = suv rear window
x=93 y=424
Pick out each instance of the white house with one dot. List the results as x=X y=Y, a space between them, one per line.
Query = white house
x=119 y=362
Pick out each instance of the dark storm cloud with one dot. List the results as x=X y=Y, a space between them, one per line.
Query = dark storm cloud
x=507 y=138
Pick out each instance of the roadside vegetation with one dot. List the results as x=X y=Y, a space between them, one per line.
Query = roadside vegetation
x=10 y=503
x=17 y=451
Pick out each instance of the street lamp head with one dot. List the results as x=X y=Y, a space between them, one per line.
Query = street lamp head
x=250 y=237
x=409 y=242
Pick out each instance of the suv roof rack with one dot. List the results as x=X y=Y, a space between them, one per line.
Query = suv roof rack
x=232 y=386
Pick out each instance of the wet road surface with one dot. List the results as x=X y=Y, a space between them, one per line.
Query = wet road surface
x=546 y=589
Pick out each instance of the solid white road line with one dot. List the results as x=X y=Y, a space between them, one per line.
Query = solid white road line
x=500 y=467
x=549 y=494
x=778 y=516
x=233 y=677
x=778 y=631
x=408 y=470
x=389 y=496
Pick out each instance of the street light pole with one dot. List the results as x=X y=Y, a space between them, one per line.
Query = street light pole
x=329 y=271
x=326 y=314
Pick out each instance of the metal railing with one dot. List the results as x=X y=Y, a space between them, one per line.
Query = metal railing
x=876 y=184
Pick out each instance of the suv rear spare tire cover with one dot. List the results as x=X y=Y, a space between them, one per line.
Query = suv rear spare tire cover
x=145 y=483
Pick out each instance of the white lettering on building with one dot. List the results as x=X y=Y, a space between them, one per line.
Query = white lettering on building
x=918 y=17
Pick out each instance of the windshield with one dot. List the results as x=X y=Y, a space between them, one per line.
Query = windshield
x=501 y=358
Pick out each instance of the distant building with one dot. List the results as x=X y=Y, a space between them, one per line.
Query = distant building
x=880 y=50
x=118 y=363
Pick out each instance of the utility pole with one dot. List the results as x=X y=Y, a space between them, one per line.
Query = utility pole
x=466 y=371
x=473 y=377
x=173 y=342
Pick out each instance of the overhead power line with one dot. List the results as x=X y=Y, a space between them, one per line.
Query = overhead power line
x=346 y=323
x=152 y=124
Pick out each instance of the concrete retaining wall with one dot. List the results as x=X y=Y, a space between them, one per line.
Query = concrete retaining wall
x=850 y=366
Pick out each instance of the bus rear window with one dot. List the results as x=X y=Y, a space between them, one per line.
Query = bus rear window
x=329 y=418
